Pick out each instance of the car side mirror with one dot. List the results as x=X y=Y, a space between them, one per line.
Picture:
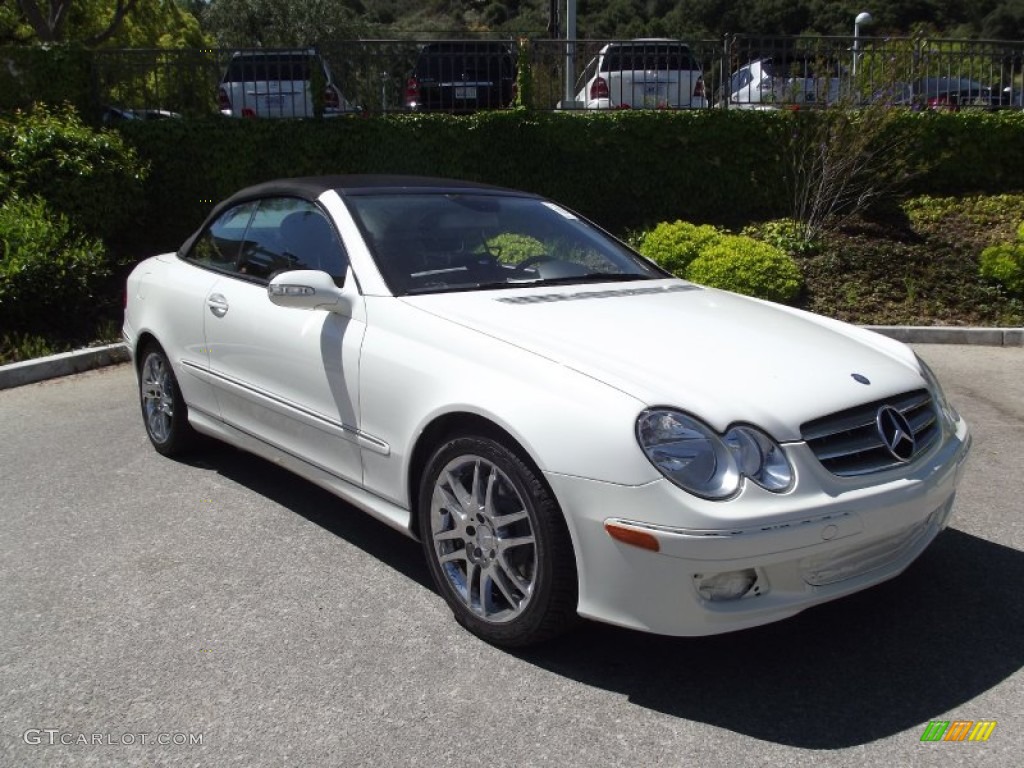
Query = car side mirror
x=308 y=289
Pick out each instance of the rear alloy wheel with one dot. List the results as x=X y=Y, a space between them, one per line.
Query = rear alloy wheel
x=163 y=409
x=496 y=543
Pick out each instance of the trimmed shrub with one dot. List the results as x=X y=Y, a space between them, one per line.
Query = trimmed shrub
x=744 y=265
x=787 y=235
x=673 y=245
x=1004 y=264
x=51 y=278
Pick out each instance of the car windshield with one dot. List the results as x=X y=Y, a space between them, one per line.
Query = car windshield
x=797 y=66
x=647 y=57
x=269 y=67
x=468 y=60
x=434 y=242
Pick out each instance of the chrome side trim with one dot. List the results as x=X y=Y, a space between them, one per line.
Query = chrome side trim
x=292 y=410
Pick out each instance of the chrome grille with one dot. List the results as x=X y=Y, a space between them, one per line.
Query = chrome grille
x=849 y=444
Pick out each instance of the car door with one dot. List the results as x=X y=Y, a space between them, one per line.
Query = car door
x=287 y=376
x=185 y=284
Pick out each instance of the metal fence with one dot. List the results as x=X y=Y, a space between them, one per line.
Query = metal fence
x=383 y=76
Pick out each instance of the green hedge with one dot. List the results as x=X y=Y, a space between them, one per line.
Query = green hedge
x=626 y=170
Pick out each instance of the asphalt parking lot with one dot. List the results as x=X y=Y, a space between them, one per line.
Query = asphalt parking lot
x=222 y=612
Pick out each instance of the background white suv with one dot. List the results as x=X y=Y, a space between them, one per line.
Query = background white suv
x=642 y=74
x=278 y=84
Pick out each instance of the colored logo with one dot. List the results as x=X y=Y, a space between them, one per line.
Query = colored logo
x=958 y=730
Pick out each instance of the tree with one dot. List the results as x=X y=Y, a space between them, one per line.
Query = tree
x=282 y=23
x=50 y=23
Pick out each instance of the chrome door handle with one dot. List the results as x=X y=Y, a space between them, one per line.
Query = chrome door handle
x=217 y=304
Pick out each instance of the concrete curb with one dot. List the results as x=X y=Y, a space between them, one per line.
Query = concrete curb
x=991 y=337
x=30 y=371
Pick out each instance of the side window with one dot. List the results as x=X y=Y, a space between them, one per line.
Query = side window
x=221 y=243
x=288 y=233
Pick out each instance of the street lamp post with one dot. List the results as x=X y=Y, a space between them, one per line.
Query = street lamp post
x=570 y=50
x=862 y=20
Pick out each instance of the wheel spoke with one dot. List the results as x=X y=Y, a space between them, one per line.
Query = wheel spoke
x=454 y=555
x=503 y=521
x=492 y=482
x=475 y=494
x=452 y=534
x=459 y=493
x=523 y=585
x=498 y=576
x=472 y=587
x=446 y=500
x=519 y=541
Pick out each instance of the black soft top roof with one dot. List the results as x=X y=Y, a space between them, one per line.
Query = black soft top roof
x=311 y=187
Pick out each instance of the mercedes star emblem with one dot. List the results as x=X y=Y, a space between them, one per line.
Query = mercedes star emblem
x=896 y=433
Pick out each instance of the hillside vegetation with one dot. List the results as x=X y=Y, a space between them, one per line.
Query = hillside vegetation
x=230 y=20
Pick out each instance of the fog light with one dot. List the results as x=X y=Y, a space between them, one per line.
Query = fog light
x=731 y=585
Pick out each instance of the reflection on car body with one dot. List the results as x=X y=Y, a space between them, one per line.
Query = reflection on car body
x=567 y=429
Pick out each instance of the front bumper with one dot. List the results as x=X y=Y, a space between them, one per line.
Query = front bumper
x=806 y=547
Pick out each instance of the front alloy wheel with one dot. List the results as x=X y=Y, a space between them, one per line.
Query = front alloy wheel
x=496 y=543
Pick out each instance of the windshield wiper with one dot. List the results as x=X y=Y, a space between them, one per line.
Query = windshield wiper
x=593 y=277
x=459 y=287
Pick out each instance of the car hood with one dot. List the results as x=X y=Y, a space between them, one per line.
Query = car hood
x=724 y=357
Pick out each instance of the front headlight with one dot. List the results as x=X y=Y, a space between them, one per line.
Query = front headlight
x=760 y=458
x=930 y=379
x=698 y=460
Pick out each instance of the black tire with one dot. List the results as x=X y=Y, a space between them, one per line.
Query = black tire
x=501 y=558
x=164 y=412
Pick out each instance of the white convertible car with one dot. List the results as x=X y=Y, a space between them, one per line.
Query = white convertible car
x=568 y=430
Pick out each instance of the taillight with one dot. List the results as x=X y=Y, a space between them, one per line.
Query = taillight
x=332 y=98
x=248 y=112
x=223 y=102
x=698 y=88
x=412 y=92
x=599 y=89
